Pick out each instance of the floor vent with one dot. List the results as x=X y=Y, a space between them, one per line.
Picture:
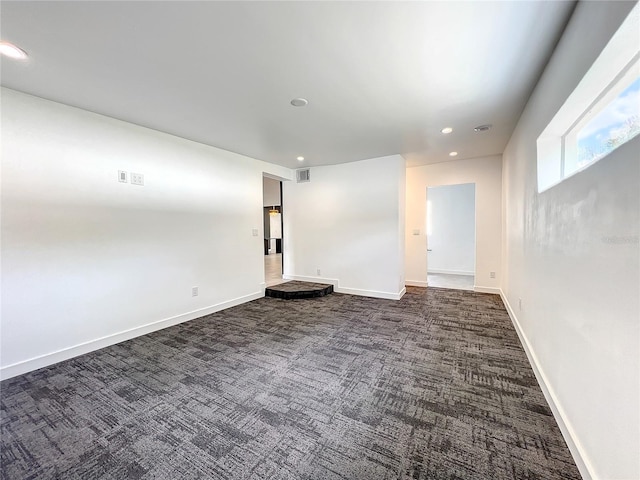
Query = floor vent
x=303 y=175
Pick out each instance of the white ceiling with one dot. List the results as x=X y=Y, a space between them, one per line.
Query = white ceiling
x=381 y=77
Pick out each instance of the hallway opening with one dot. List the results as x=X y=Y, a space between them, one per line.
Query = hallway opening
x=451 y=236
x=273 y=242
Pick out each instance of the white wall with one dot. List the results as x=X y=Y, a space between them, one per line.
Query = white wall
x=88 y=261
x=452 y=241
x=348 y=222
x=486 y=173
x=271 y=189
x=275 y=226
x=572 y=256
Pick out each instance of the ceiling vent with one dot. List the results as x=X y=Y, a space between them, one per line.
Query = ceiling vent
x=303 y=175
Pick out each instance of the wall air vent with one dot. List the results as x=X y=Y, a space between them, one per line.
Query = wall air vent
x=303 y=175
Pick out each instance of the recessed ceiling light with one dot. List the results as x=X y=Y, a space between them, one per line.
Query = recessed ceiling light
x=453 y=154
x=482 y=128
x=299 y=102
x=300 y=159
x=10 y=50
x=446 y=130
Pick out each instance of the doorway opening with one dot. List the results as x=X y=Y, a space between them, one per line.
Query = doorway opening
x=451 y=236
x=272 y=217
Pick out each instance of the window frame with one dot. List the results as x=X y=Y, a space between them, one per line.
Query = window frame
x=629 y=74
x=598 y=87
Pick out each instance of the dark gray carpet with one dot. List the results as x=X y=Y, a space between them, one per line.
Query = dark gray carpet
x=434 y=386
x=296 y=286
x=296 y=290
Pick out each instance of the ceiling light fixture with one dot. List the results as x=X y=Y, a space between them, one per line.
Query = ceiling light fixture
x=300 y=159
x=10 y=50
x=446 y=130
x=299 y=102
x=453 y=154
x=482 y=128
x=274 y=211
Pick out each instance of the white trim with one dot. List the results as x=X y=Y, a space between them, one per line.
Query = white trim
x=372 y=293
x=575 y=447
x=303 y=278
x=66 y=353
x=420 y=283
x=450 y=272
x=494 y=290
x=451 y=287
x=619 y=53
x=350 y=291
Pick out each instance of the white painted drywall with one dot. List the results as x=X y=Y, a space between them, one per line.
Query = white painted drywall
x=348 y=222
x=452 y=240
x=87 y=260
x=271 y=189
x=572 y=256
x=486 y=173
x=275 y=225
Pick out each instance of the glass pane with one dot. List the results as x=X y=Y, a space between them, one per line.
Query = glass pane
x=616 y=124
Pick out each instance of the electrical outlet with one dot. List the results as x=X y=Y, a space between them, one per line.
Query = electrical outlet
x=519 y=304
x=318 y=272
x=254 y=232
x=194 y=291
x=492 y=274
x=122 y=176
x=137 y=179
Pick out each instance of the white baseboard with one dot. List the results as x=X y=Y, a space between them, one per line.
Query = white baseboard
x=304 y=278
x=494 y=290
x=575 y=447
x=350 y=291
x=420 y=283
x=372 y=293
x=66 y=353
x=451 y=272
